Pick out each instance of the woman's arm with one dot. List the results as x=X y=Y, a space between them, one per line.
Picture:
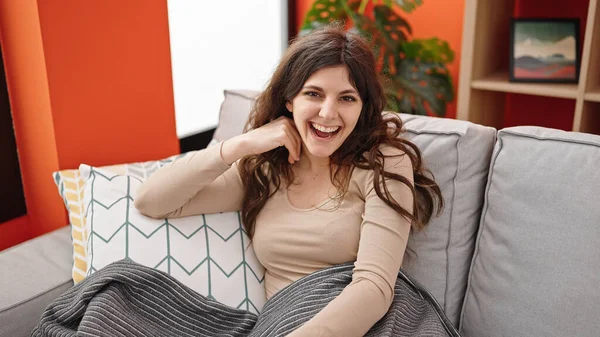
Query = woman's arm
x=208 y=181
x=201 y=182
x=383 y=239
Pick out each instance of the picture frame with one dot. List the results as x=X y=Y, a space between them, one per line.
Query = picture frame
x=544 y=50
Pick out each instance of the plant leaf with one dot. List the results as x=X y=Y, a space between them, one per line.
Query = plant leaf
x=432 y=50
x=322 y=13
x=389 y=22
x=408 y=5
x=417 y=83
x=386 y=32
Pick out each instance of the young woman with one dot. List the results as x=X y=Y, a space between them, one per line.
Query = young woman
x=321 y=178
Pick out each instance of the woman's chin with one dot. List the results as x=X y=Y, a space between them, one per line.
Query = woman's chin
x=321 y=151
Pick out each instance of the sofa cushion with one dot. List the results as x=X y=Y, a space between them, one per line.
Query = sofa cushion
x=210 y=253
x=234 y=113
x=71 y=187
x=536 y=267
x=458 y=154
x=34 y=273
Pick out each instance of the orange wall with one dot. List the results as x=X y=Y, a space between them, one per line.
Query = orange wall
x=15 y=231
x=442 y=19
x=109 y=75
x=29 y=96
x=89 y=81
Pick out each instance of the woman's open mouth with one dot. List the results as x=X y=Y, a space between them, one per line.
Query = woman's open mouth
x=323 y=132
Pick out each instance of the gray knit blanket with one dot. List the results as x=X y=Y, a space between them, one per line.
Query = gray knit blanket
x=128 y=299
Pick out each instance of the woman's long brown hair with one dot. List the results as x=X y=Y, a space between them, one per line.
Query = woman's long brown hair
x=263 y=174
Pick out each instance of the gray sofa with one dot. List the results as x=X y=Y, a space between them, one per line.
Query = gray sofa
x=515 y=253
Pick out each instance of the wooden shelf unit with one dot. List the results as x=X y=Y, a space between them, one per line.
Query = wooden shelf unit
x=499 y=82
x=483 y=78
x=592 y=95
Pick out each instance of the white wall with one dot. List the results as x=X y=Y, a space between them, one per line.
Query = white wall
x=217 y=45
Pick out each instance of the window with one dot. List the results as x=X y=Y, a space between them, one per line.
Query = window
x=217 y=45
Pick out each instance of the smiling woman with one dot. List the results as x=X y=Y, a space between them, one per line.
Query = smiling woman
x=320 y=178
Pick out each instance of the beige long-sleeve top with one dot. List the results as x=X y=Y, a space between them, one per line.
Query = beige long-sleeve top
x=292 y=243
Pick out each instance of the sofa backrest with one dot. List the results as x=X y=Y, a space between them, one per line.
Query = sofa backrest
x=536 y=267
x=234 y=113
x=458 y=154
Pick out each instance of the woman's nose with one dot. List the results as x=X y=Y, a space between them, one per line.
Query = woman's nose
x=329 y=110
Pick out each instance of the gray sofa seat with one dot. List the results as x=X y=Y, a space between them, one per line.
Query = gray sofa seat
x=34 y=273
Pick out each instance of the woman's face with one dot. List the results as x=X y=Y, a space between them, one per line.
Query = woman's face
x=326 y=110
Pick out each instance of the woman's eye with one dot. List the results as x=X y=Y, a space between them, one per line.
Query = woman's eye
x=311 y=94
x=348 y=99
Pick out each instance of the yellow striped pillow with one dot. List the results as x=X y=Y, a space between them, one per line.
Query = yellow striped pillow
x=70 y=187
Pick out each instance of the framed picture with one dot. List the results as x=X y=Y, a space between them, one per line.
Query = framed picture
x=544 y=50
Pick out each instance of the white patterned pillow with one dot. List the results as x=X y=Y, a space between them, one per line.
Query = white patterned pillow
x=70 y=187
x=210 y=253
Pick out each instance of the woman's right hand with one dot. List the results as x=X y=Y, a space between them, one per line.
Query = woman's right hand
x=280 y=132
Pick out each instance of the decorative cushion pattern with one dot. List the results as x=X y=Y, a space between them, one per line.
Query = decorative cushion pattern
x=70 y=187
x=210 y=253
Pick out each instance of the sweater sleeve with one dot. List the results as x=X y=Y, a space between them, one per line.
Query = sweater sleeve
x=198 y=183
x=383 y=239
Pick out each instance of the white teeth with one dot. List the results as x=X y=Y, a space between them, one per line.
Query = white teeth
x=325 y=128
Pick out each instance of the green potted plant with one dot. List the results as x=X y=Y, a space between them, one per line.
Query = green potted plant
x=417 y=80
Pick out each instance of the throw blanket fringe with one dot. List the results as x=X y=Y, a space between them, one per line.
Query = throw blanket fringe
x=128 y=299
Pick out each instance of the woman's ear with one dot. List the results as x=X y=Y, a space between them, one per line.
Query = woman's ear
x=288 y=105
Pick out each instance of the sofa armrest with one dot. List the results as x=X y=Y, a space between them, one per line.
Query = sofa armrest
x=33 y=274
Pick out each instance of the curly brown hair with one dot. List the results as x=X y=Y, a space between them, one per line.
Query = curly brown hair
x=263 y=174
